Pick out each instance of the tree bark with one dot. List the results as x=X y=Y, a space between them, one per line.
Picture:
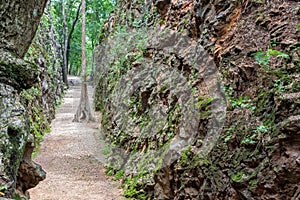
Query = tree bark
x=71 y=69
x=84 y=110
x=93 y=62
x=71 y=33
x=65 y=43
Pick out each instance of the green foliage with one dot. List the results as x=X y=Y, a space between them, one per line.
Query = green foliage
x=240 y=102
x=109 y=170
x=132 y=185
x=255 y=136
x=38 y=122
x=119 y=175
x=17 y=197
x=277 y=53
x=298 y=26
x=261 y=129
x=3 y=188
x=185 y=155
x=273 y=43
x=227 y=138
x=237 y=177
x=253 y=183
x=243 y=176
x=230 y=133
x=38 y=126
x=248 y=140
x=32 y=94
x=96 y=13
x=278 y=84
x=202 y=102
x=263 y=58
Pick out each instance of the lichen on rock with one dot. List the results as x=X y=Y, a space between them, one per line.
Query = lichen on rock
x=254 y=45
x=28 y=95
x=14 y=134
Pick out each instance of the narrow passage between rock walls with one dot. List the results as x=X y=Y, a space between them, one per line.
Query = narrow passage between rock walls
x=71 y=156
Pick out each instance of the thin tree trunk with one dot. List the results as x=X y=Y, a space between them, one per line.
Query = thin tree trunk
x=93 y=67
x=83 y=110
x=83 y=42
x=93 y=63
x=65 y=43
x=70 y=69
x=71 y=33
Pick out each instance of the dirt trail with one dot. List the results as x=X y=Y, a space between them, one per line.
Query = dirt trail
x=71 y=156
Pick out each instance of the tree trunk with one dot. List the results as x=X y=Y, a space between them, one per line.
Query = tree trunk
x=93 y=63
x=71 y=33
x=83 y=111
x=65 y=43
x=70 y=69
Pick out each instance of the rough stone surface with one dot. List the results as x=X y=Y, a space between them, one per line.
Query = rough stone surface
x=28 y=94
x=18 y=23
x=16 y=72
x=14 y=133
x=255 y=46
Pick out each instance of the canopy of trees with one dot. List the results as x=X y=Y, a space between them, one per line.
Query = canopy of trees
x=67 y=20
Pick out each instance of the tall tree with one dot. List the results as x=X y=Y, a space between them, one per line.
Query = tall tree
x=70 y=36
x=66 y=14
x=69 y=21
x=84 y=109
x=64 y=42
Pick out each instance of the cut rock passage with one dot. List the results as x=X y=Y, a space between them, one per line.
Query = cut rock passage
x=71 y=156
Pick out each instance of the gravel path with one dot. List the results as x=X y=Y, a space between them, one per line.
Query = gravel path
x=71 y=156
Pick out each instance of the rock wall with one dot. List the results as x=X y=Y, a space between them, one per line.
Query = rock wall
x=200 y=99
x=19 y=21
x=30 y=90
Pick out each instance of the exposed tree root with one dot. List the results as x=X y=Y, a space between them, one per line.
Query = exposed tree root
x=84 y=110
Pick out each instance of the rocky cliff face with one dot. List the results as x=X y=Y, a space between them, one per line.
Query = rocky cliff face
x=200 y=99
x=19 y=22
x=29 y=90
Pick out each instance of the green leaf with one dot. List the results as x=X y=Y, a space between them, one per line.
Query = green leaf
x=261 y=58
x=277 y=53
